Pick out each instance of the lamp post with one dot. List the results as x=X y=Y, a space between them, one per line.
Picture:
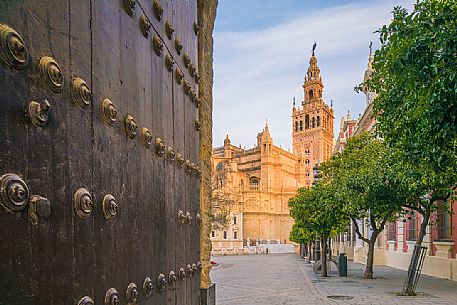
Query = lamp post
x=317 y=246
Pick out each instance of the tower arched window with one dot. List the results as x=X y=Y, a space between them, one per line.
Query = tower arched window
x=307 y=121
x=296 y=125
x=311 y=93
x=301 y=125
x=314 y=122
x=254 y=183
x=318 y=121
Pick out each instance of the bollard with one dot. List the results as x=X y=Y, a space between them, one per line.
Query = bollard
x=343 y=265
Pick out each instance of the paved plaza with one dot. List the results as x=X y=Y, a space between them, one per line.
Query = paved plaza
x=276 y=279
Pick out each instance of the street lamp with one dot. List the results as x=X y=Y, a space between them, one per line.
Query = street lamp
x=317 y=246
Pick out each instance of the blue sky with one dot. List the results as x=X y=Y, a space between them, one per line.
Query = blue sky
x=261 y=54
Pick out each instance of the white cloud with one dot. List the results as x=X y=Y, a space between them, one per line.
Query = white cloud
x=257 y=73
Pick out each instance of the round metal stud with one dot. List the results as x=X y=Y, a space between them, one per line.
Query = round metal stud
x=109 y=206
x=50 y=73
x=158 y=45
x=198 y=219
x=80 y=92
x=181 y=217
x=180 y=160
x=161 y=282
x=13 y=52
x=108 y=111
x=129 y=6
x=158 y=10
x=192 y=70
x=169 y=62
x=187 y=60
x=188 y=218
x=39 y=209
x=159 y=146
x=181 y=274
x=189 y=271
x=112 y=297
x=188 y=166
x=178 y=46
x=192 y=95
x=14 y=193
x=82 y=203
x=132 y=295
x=199 y=266
x=198 y=125
x=148 y=287
x=145 y=26
x=196 y=28
x=86 y=301
x=169 y=30
x=179 y=76
x=38 y=112
x=187 y=87
x=197 y=77
x=146 y=137
x=172 y=278
x=171 y=153
x=130 y=126
x=194 y=268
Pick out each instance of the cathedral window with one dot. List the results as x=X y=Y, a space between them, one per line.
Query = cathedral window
x=314 y=122
x=225 y=234
x=235 y=234
x=296 y=126
x=318 y=121
x=254 y=183
x=301 y=125
x=307 y=121
x=234 y=220
x=311 y=93
x=213 y=234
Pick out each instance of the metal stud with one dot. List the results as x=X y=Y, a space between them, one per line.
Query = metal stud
x=129 y=6
x=146 y=137
x=180 y=159
x=198 y=125
x=188 y=218
x=112 y=297
x=189 y=271
x=82 y=203
x=38 y=112
x=192 y=95
x=172 y=278
x=161 y=282
x=109 y=206
x=198 y=219
x=80 y=92
x=159 y=146
x=197 y=102
x=130 y=126
x=192 y=70
x=145 y=26
x=181 y=217
x=199 y=266
x=158 y=45
x=158 y=10
x=188 y=166
x=86 y=301
x=178 y=46
x=194 y=268
x=169 y=62
x=187 y=60
x=14 y=193
x=50 y=74
x=13 y=52
x=148 y=287
x=187 y=87
x=131 y=295
x=196 y=28
x=108 y=111
x=169 y=29
x=181 y=274
x=171 y=153
x=197 y=77
x=39 y=209
x=179 y=76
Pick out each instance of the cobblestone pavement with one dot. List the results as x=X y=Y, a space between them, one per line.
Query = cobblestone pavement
x=276 y=279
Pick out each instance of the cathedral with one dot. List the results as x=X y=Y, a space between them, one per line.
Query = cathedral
x=251 y=187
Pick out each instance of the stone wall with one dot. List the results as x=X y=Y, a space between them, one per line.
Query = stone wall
x=206 y=17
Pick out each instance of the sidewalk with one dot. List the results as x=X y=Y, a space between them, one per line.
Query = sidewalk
x=379 y=291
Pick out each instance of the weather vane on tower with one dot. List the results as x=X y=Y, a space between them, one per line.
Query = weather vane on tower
x=314 y=47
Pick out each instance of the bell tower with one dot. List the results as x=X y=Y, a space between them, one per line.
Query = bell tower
x=312 y=123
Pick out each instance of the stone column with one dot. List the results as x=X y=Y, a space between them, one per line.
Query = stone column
x=206 y=16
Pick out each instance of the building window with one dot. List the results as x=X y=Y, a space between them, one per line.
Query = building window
x=307 y=121
x=235 y=234
x=254 y=183
x=318 y=121
x=296 y=126
x=392 y=231
x=234 y=220
x=213 y=234
x=225 y=234
x=411 y=228
x=443 y=222
x=301 y=125
x=311 y=93
x=314 y=122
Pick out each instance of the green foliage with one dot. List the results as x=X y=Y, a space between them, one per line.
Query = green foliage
x=415 y=76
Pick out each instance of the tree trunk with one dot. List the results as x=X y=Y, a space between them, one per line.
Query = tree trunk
x=324 y=255
x=370 y=256
x=413 y=277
